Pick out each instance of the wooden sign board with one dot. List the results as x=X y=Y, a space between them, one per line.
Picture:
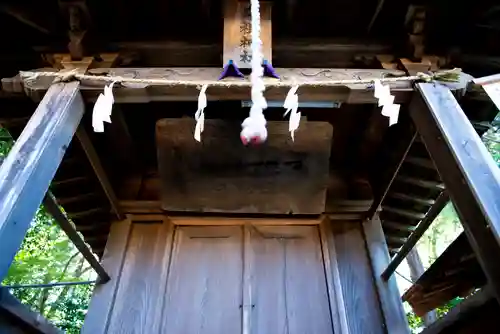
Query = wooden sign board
x=238 y=32
x=220 y=174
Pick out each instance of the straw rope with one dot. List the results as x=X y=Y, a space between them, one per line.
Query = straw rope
x=65 y=76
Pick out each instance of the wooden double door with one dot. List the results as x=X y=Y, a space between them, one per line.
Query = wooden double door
x=246 y=279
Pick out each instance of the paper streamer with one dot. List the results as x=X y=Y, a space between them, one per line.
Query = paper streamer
x=386 y=101
x=199 y=116
x=291 y=105
x=103 y=108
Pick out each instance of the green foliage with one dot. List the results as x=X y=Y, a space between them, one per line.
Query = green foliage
x=47 y=255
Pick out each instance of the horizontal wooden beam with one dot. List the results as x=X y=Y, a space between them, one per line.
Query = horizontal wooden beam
x=240 y=221
x=468 y=170
x=31 y=164
x=16 y=313
x=134 y=93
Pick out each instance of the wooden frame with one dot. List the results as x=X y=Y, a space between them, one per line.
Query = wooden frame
x=467 y=169
x=30 y=166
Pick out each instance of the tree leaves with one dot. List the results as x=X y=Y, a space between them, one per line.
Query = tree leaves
x=47 y=255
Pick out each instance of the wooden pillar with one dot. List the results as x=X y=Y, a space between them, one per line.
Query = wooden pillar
x=388 y=293
x=416 y=270
x=27 y=171
x=467 y=169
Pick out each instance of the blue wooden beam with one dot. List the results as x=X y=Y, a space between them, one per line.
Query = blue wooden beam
x=470 y=174
x=27 y=171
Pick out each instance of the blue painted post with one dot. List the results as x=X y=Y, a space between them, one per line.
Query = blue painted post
x=27 y=171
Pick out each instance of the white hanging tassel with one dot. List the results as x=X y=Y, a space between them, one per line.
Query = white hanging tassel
x=254 y=126
x=199 y=116
x=386 y=101
x=103 y=108
x=291 y=104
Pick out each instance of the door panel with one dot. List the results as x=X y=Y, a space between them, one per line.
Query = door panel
x=289 y=286
x=204 y=289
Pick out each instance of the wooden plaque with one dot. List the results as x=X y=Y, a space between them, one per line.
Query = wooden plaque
x=237 y=32
x=220 y=174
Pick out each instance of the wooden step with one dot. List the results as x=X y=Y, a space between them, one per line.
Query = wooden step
x=80 y=198
x=398 y=226
x=405 y=213
x=411 y=198
x=421 y=162
x=421 y=183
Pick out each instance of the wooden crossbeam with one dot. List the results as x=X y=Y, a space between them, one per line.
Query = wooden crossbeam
x=31 y=164
x=128 y=93
x=470 y=174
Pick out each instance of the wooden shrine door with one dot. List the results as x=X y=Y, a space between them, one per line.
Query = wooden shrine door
x=247 y=279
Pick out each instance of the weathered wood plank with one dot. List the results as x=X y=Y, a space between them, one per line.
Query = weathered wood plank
x=358 y=288
x=290 y=288
x=390 y=301
x=349 y=93
x=204 y=286
x=26 y=173
x=17 y=318
x=103 y=298
x=459 y=154
x=335 y=294
x=140 y=296
x=220 y=175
